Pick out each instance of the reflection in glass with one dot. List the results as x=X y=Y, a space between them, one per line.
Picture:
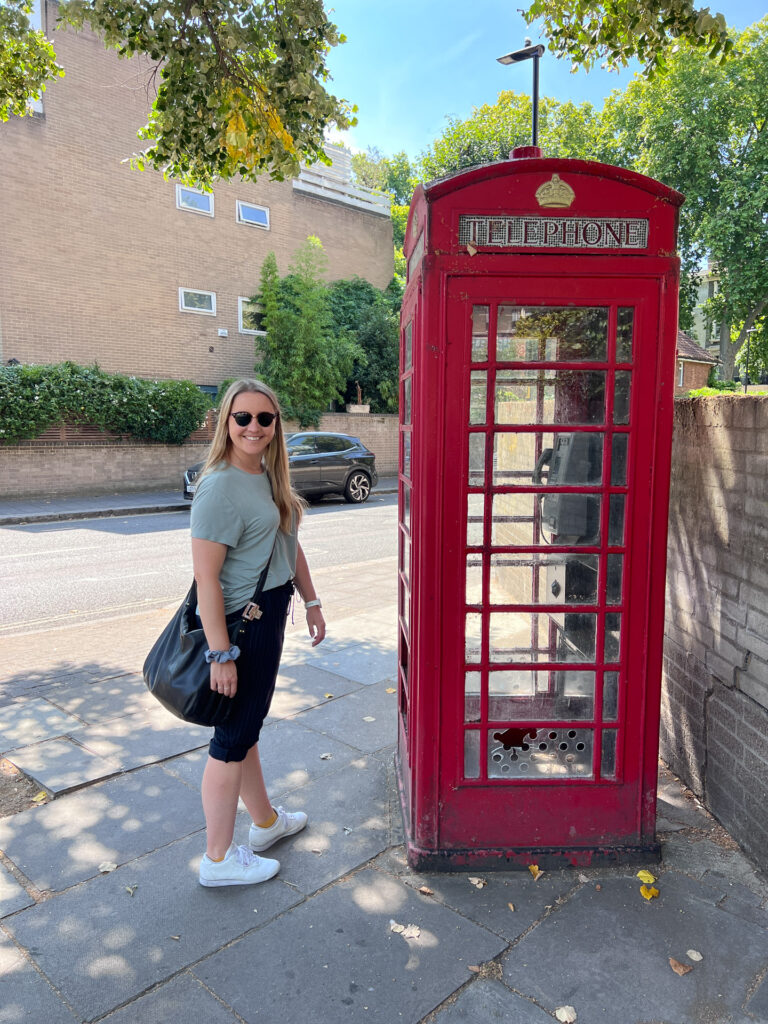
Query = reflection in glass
x=477 y=393
x=473 y=637
x=550 y=333
x=616 y=520
x=528 y=695
x=613 y=578
x=610 y=696
x=514 y=516
x=407 y=400
x=476 y=460
x=612 y=636
x=407 y=507
x=405 y=555
x=621 y=396
x=550 y=459
x=475 y=520
x=472 y=696
x=535 y=636
x=406 y=454
x=543 y=579
x=472 y=754
x=608 y=755
x=480 y=334
x=576 y=638
x=619 y=460
x=408 y=346
x=474 y=583
x=569 y=397
x=624 y=328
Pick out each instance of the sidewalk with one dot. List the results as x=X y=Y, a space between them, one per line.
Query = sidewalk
x=102 y=917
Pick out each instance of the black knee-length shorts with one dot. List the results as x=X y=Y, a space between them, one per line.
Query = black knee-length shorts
x=261 y=646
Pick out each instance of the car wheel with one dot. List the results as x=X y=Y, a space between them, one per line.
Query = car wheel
x=358 y=487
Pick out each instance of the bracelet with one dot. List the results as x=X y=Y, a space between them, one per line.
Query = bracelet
x=219 y=656
x=317 y=603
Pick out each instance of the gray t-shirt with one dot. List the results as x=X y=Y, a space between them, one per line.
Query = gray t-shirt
x=235 y=508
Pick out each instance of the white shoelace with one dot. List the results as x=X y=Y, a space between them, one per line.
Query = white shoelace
x=245 y=856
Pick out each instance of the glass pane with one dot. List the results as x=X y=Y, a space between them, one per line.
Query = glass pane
x=624 y=328
x=407 y=400
x=472 y=696
x=406 y=454
x=475 y=529
x=572 y=519
x=408 y=346
x=472 y=754
x=480 y=317
x=474 y=579
x=543 y=579
x=619 y=460
x=612 y=636
x=616 y=520
x=540 y=753
x=574 y=397
x=621 y=396
x=549 y=459
x=576 y=640
x=472 y=637
x=550 y=333
x=477 y=395
x=198 y=300
x=613 y=578
x=610 y=696
x=520 y=695
x=538 y=636
x=476 y=460
x=405 y=555
x=608 y=755
x=407 y=507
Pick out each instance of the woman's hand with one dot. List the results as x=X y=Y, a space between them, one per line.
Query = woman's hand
x=224 y=677
x=316 y=625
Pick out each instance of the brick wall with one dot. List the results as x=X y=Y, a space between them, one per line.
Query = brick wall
x=695 y=375
x=714 y=730
x=85 y=461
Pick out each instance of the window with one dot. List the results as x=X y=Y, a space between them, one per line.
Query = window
x=249 y=317
x=302 y=445
x=247 y=213
x=680 y=374
x=194 y=200
x=193 y=301
x=331 y=443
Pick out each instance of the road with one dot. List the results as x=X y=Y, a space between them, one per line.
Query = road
x=81 y=570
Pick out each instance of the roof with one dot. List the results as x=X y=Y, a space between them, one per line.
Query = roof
x=690 y=350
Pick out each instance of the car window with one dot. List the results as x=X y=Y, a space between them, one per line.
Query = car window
x=332 y=443
x=302 y=446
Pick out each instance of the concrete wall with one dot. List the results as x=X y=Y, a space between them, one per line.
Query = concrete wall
x=714 y=730
x=85 y=461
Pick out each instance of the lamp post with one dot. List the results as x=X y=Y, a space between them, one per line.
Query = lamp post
x=750 y=331
x=529 y=52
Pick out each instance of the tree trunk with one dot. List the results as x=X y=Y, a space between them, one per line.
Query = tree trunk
x=728 y=352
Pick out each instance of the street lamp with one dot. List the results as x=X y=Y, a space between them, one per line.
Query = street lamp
x=750 y=330
x=534 y=53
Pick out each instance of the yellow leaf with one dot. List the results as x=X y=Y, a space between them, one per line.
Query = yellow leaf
x=328 y=696
x=646 y=876
x=648 y=892
x=426 y=891
x=390 y=689
x=511 y=907
x=535 y=871
x=39 y=797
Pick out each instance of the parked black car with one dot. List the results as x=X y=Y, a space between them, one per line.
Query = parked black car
x=321 y=463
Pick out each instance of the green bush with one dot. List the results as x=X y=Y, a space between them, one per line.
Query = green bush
x=34 y=398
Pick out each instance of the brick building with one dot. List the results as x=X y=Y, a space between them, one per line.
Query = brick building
x=693 y=365
x=99 y=263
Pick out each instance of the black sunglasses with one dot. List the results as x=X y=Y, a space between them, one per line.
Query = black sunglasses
x=264 y=419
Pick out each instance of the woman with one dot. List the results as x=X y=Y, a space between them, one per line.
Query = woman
x=245 y=511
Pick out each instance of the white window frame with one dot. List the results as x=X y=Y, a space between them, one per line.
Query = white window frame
x=190 y=309
x=242 y=302
x=254 y=206
x=191 y=209
x=681 y=375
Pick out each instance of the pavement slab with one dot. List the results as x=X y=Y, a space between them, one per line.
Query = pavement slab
x=136 y=740
x=701 y=857
x=29 y=721
x=366 y=663
x=99 y=702
x=62 y=764
x=349 y=720
x=292 y=755
x=181 y=1001
x=345 y=962
x=627 y=976
x=24 y=994
x=115 y=821
x=301 y=686
x=101 y=946
x=13 y=896
x=486 y=1000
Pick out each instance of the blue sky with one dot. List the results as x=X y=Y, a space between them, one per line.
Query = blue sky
x=409 y=64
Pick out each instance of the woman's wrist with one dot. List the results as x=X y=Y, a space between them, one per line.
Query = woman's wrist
x=314 y=603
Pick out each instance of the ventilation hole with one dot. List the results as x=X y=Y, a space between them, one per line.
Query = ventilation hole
x=570 y=758
x=525 y=747
x=542 y=746
x=572 y=733
x=563 y=746
x=497 y=757
x=579 y=746
x=523 y=767
x=553 y=735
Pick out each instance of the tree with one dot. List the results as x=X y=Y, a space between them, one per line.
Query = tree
x=240 y=83
x=616 y=31
x=393 y=175
x=303 y=359
x=372 y=318
x=703 y=128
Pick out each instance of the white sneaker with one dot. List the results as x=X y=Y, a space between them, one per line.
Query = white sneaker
x=286 y=824
x=239 y=867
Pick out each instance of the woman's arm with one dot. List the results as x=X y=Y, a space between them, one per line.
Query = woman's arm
x=207 y=559
x=306 y=589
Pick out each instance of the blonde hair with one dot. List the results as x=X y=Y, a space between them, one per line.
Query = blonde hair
x=288 y=502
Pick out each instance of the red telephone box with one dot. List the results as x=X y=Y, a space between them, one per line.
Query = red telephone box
x=537 y=375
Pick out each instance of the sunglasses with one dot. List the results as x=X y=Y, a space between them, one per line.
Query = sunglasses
x=264 y=419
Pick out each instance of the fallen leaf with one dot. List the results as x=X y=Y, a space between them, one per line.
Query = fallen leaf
x=511 y=907
x=347 y=830
x=471 y=249
x=598 y=887
x=395 y=927
x=176 y=938
x=131 y=889
x=679 y=968
x=369 y=718
x=477 y=882
x=326 y=757
x=106 y=866
x=39 y=797
x=328 y=696
x=475 y=969
x=535 y=871
x=648 y=892
x=412 y=931
x=694 y=954
x=566 y=1014
x=646 y=876
x=390 y=689
x=426 y=891
x=583 y=878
